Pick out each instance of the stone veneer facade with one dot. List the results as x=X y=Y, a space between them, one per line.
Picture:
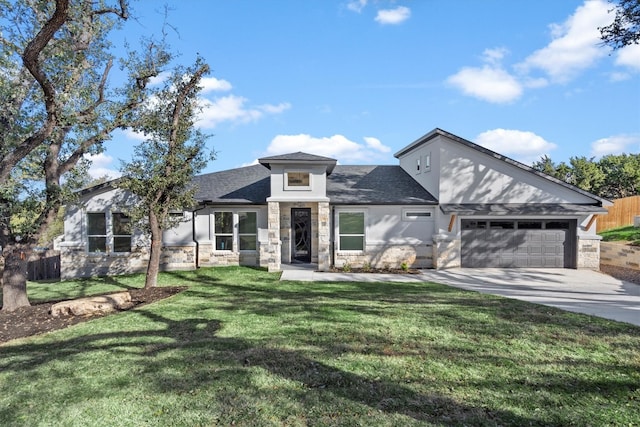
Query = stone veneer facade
x=589 y=253
x=76 y=262
x=620 y=255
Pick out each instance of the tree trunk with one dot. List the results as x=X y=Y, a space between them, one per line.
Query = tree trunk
x=14 y=277
x=153 y=267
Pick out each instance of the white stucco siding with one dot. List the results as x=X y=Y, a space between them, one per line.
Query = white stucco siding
x=281 y=192
x=429 y=177
x=470 y=176
x=181 y=233
x=386 y=225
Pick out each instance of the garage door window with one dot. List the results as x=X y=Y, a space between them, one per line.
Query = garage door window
x=474 y=225
x=504 y=225
x=557 y=225
x=529 y=225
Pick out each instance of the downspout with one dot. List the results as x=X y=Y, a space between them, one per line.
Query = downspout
x=193 y=231
x=333 y=236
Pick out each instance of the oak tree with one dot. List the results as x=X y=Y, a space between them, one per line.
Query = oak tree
x=164 y=165
x=57 y=106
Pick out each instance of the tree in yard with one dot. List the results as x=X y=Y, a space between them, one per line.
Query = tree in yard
x=57 y=106
x=163 y=166
x=613 y=176
x=625 y=28
x=622 y=174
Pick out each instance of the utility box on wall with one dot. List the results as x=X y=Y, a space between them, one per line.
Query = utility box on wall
x=636 y=221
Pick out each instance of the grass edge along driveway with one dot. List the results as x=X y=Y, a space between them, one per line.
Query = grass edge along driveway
x=239 y=347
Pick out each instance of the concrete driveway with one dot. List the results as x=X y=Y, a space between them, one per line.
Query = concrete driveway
x=580 y=291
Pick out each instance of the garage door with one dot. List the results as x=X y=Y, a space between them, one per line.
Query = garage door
x=518 y=243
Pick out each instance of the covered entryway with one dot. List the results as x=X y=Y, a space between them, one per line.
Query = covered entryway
x=505 y=243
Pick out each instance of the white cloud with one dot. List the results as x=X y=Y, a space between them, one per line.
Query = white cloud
x=160 y=78
x=234 y=109
x=393 y=16
x=376 y=144
x=211 y=84
x=356 y=5
x=101 y=166
x=131 y=134
x=337 y=147
x=629 y=56
x=575 y=43
x=524 y=146
x=489 y=83
x=616 y=145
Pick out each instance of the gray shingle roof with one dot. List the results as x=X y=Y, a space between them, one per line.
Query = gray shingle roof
x=299 y=156
x=376 y=185
x=250 y=184
x=346 y=185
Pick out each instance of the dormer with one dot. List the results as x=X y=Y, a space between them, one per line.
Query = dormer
x=298 y=177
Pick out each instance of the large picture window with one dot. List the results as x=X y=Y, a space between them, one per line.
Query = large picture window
x=100 y=237
x=247 y=231
x=351 y=231
x=223 y=229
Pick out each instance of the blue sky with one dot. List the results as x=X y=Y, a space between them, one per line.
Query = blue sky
x=357 y=80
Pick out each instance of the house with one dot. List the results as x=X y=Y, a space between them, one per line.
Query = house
x=448 y=203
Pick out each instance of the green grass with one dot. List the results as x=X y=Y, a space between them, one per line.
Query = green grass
x=628 y=234
x=241 y=348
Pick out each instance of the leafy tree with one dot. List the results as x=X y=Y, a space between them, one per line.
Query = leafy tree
x=625 y=28
x=622 y=175
x=57 y=106
x=561 y=171
x=586 y=174
x=164 y=165
x=612 y=177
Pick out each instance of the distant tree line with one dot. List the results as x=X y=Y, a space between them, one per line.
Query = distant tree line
x=611 y=177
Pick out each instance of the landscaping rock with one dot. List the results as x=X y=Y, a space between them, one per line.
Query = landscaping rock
x=93 y=305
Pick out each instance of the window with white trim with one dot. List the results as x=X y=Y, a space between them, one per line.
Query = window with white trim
x=235 y=230
x=351 y=231
x=297 y=180
x=97 y=231
x=426 y=162
x=247 y=231
x=102 y=239
x=416 y=215
x=223 y=229
x=418 y=167
x=121 y=230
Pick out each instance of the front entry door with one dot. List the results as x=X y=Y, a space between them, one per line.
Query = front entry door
x=301 y=232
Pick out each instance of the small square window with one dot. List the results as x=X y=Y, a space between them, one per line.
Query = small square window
x=298 y=179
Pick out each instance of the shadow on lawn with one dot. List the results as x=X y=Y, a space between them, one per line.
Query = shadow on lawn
x=187 y=355
x=193 y=357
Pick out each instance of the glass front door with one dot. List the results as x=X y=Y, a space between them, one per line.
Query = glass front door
x=301 y=233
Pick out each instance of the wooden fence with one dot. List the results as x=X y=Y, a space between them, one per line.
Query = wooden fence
x=44 y=266
x=620 y=214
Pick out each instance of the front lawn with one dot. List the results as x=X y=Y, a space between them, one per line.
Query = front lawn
x=241 y=348
x=629 y=234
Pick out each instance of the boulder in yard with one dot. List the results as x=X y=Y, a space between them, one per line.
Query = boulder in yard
x=101 y=304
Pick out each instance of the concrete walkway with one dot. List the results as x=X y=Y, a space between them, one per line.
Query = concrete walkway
x=580 y=291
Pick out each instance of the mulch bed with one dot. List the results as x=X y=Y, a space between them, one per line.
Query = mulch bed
x=34 y=320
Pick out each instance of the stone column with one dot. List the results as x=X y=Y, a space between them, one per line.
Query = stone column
x=324 y=236
x=446 y=252
x=273 y=224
